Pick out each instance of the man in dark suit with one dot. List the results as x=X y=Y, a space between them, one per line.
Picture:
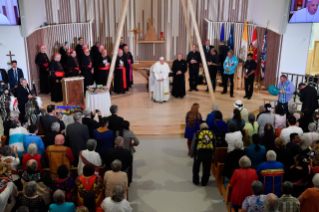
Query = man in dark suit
x=14 y=75
x=23 y=95
x=115 y=122
x=207 y=49
x=308 y=97
x=52 y=117
x=4 y=76
x=223 y=50
x=89 y=121
x=78 y=134
x=50 y=137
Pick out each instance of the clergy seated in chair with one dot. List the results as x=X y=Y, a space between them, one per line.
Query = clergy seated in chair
x=89 y=156
x=161 y=72
x=58 y=154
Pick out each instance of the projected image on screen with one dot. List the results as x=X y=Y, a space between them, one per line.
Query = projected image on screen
x=9 y=12
x=304 y=11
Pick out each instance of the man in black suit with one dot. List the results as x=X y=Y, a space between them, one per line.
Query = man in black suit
x=77 y=134
x=207 y=49
x=89 y=121
x=50 y=137
x=119 y=153
x=223 y=50
x=14 y=115
x=308 y=97
x=4 y=76
x=23 y=95
x=122 y=44
x=49 y=119
x=115 y=122
x=14 y=75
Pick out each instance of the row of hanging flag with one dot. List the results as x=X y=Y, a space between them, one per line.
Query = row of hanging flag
x=244 y=46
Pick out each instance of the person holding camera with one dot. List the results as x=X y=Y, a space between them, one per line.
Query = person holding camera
x=52 y=117
x=89 y=121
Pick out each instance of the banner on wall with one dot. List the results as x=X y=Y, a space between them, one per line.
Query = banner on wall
x=231 y=38
x=263 y=56
x=244 y=44
x=221 y=34
x=255 y=47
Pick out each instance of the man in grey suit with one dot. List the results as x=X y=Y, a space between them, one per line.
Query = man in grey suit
x=77 y=134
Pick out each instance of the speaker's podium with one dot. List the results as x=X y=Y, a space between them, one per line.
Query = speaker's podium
x=73 y=90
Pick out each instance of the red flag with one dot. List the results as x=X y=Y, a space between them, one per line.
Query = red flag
x=255 y=47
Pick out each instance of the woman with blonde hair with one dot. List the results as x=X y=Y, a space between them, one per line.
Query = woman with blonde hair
x=193 y=120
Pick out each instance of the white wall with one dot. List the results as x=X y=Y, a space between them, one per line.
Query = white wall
x=295 y=48
x=261 y=11
x=12 y=41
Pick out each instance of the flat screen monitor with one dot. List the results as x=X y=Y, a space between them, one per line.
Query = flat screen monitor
x=9 y=12
x=304 y=11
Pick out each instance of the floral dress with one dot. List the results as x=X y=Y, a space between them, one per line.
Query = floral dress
x=94 y=184
x=254 y=203
x=68 y=186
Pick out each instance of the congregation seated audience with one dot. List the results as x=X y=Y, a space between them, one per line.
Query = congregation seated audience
x=294 y=145
x=231 y=161
x=265 y=117
x=270 y=172
x=50 y=137
x=7 y=152
x=31 y=198
x=16 y=136
x=309 y=198
x=117 y=201
x=241 y=182
x=287 y=202
x=284 y=155
x=115 y=121
x=43 y=181
x=271 y=203
x=237 y=120
x=89 y=182
x=292 y=128
x=119 y=153
x=280 y=119
x=114 y=177
x=210 y=119
x=254 y=202
x=104 y=137
x=58 y=154
x=256 y=152
x=89 y=156
x=269 y=137
x=65 y=183
x=232 y=136
x=218 y=126
x=193 y=120
x=77 y=134
x=251 y=128
x=60 y=203
x=89 y=121
x=310 y=136
x=14 y=116
x=305 y=120
x=33 y=138
x=49 y=119
x=90 y=204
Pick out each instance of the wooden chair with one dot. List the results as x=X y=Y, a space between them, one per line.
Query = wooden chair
x=42 y=137
x=219 y=178
x=3 y=139
x=220 y=155
x=273 y=181
x=126 y=193
x=47 y=171
x=227 y=195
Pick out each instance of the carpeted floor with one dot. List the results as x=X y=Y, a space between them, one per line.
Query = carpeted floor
x=162 y=180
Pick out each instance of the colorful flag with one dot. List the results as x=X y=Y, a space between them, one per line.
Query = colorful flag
x=231 y=38
x=255 y=47
x=221 y=34
x=244 y=44
x=263 y=57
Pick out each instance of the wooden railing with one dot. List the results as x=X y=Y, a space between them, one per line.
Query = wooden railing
x=299 y=78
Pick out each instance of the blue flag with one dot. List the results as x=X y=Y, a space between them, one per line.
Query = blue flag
x=263 y=57
x=231 y=38
x=221 y=34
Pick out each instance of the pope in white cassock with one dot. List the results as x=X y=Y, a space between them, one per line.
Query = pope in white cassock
x=160 y=72
x=309 y=14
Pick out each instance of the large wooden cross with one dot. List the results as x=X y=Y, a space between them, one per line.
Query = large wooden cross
x=10 y=55
x=136 y=31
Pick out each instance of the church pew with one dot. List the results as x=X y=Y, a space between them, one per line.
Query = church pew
x=220 y=155
x=43 y=138
x=3 y=139
x=219 y=178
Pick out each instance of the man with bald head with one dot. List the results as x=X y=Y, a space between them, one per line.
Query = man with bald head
x=43 y=61
x=271 y=203
x=160 y=72
x=309 y=14
x=58 y=154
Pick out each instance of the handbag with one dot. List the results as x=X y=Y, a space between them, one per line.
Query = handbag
x=220 y=138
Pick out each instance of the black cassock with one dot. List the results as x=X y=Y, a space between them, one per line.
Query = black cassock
x=103 y=70
x=64 y=59
x=79 y=52
x=73 y=67
x=179 y=79
x=120 y=84
x=43 y=62
x=96 y=57
x=57 y=73
x=129 y=69
x=86 y=67
x=122 y=46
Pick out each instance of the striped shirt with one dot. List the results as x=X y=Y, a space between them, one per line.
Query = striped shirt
x=288 y=203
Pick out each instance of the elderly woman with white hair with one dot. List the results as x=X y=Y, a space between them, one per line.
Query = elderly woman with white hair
x=309 y=198
x=60 y=204
x=31 y=199
x=7 y=152
x=57 y=74
x=241 y=182
x=117 y=201
x=231 y=161
x=310 y=136
x=89 y=156
x=32 y=154
x=255 y=202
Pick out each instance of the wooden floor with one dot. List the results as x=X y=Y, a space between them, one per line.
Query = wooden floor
x=154 y=120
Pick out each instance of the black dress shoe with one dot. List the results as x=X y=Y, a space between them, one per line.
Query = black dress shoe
x=190 y=90
x=232 y=96
x=195 y=89
x=223 y=92
x=207 y=90
x=245 y=97
x=249 y=98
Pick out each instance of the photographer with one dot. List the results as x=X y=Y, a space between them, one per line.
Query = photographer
x=52 y=117
x=89 y=121
x=308 y=97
